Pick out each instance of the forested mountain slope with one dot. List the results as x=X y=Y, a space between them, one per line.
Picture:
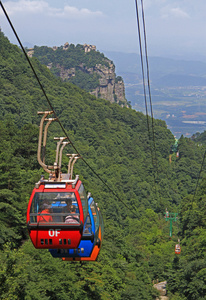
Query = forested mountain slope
x=199 y=137
x=136 y=249
x=85 y=67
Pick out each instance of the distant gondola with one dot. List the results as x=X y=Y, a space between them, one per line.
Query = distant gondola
x=177 y=248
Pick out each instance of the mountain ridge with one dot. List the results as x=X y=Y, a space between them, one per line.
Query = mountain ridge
x=84 y=66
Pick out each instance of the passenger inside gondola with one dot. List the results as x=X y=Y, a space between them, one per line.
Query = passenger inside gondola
x=54 y=207
x=73 y=217
x=45 y=211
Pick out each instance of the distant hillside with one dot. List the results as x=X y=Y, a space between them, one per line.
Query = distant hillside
x=85 y=67
x=178 y=89
x=179 y=80
x=159 y=66
x=199 y=138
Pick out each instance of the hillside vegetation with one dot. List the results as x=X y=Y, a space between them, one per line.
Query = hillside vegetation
x=72 y=57
x=114 y=141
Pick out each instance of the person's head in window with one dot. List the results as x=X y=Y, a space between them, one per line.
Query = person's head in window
x=73 y=209
x=45 y=211
x=68 y=204
x=45 y=207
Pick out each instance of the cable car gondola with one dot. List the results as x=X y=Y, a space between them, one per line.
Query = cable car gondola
x=90 y=244
x=50 y=221
x=178 y=248
x=95 y=251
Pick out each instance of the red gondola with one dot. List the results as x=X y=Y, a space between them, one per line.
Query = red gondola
x=48 y=211
x=178 y=248
x=58 y=206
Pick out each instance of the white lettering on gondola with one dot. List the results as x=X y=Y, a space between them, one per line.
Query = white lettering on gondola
x=53 y=232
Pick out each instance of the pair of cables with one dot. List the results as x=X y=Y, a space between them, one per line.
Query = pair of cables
x=152 y=135
x=146 y=83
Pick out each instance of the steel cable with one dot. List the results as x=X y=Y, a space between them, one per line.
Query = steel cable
x=63 y=129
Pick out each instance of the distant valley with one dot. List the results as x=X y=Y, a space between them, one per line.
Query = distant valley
x=178 y=90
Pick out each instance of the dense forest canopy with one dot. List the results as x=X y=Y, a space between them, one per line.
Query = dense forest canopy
x=71 y=58
x=136 y=248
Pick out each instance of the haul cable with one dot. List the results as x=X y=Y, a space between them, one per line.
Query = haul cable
x=148 y=81
x=149 y=90
x=154 y=156
x=52 y=108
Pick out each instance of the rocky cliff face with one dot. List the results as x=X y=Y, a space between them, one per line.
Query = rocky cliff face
x=110 y=87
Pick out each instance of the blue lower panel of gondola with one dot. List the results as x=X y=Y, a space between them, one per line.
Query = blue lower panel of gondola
x=84 y=250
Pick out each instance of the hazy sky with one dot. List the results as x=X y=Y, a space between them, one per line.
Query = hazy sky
x=173 y=27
